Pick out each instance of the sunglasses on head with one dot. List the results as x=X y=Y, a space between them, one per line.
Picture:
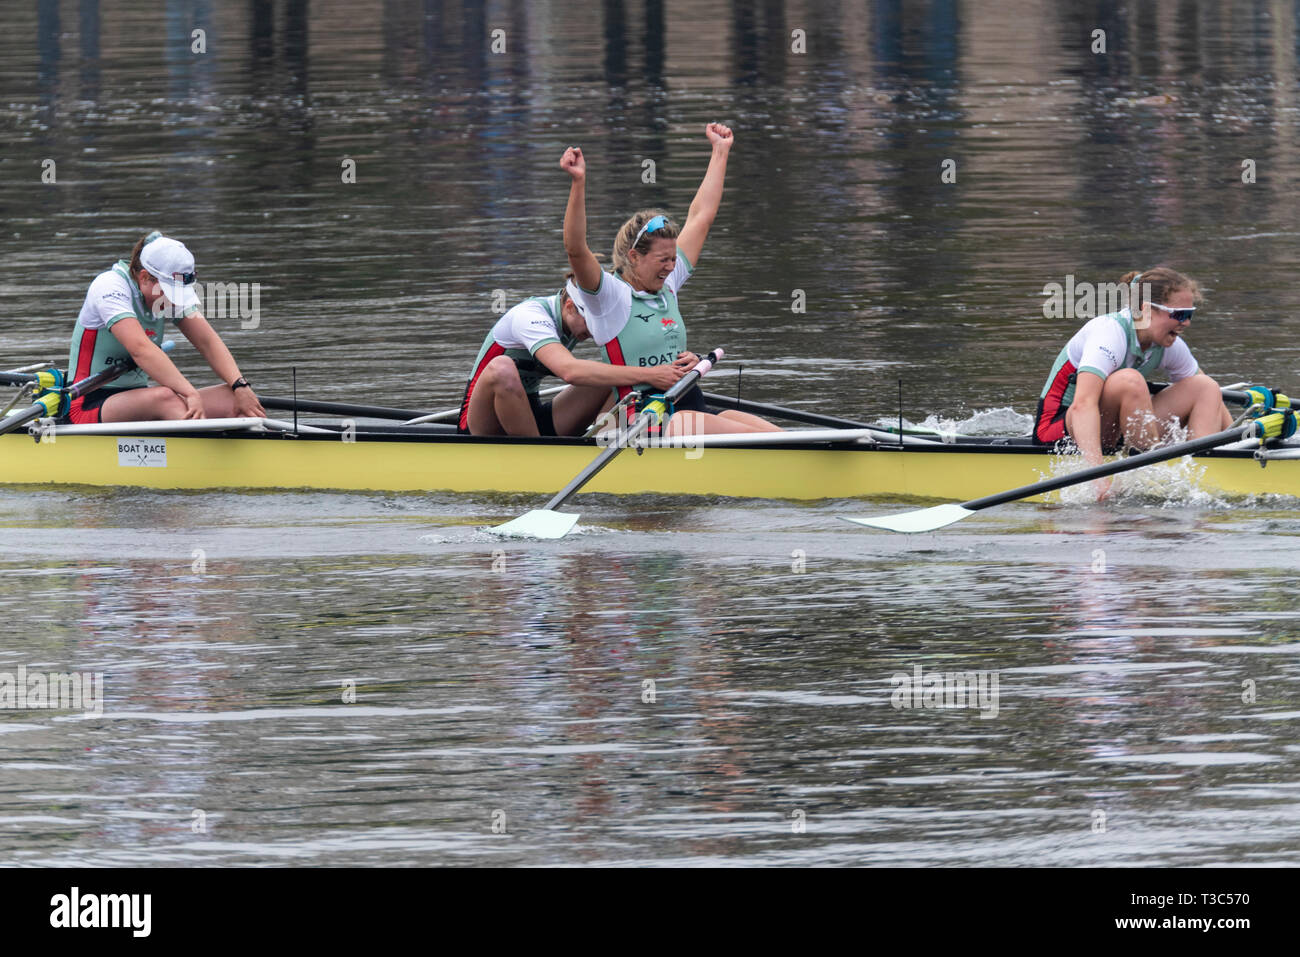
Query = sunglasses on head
x=1178 y=315
x=651 y=225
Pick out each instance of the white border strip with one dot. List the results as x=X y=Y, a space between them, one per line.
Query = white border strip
x=883 y=440
x=152 y=427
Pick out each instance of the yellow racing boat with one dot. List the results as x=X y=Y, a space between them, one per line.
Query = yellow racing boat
x=815 y=463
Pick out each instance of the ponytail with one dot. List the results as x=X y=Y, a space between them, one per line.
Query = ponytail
x=143 y=241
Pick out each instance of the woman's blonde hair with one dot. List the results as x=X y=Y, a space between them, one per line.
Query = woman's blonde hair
x=1160 y=281
x=627 y=232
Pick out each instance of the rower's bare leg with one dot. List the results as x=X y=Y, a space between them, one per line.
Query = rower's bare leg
x=756 y=423
x=218 y=402
x=1197 y=402
x=705 y=423
x=1125 y=407
x=142 y=405
x=577 y=407
x=499 y=403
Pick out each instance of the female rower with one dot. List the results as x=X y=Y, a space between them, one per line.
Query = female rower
x=632 y=312
x=530 y=341
x=123 y=318
x=1097 y=391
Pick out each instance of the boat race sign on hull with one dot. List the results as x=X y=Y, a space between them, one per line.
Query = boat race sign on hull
x=137 y=453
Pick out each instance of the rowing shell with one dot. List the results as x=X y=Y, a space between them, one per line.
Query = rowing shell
x=816 y=464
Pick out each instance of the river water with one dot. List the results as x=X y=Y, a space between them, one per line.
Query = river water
x=296 y=678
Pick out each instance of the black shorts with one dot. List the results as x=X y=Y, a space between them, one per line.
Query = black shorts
x=691 y=401
x=541 y=415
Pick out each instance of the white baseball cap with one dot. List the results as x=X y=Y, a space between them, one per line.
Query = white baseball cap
x=571 y=288
x=168 y=261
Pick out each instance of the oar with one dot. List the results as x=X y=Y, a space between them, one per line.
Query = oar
x=546 y=522
x=25 y=376
x=446 y=414
x=798 y=415
x=1275 y=425
x=781 y=412
x=405 y=416
x=49 y=404
x=336 y=408
x=34 y=367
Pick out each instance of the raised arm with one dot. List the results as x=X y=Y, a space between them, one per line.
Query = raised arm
x=704 y=207
x=581 y=259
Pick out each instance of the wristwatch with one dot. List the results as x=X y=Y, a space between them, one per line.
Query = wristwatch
x=240 y=383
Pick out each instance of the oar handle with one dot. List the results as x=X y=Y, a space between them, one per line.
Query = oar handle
x=701 y=369
x=91 y=383
x=643 y=423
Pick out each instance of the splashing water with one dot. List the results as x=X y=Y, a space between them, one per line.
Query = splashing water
x=1168 y=484
x=1000 y=421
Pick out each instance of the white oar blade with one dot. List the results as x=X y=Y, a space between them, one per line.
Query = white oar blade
x=539 y=523
x=920 y=520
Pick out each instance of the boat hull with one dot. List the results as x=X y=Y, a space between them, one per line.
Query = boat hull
x=462 y=464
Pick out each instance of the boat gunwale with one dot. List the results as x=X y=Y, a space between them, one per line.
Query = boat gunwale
x=1000 y=444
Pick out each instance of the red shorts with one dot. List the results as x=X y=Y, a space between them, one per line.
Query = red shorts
x=1049 y=422
x=85 y=410
x=1049 y=426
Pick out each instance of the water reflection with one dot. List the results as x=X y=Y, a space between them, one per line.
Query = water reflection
x=770 y=686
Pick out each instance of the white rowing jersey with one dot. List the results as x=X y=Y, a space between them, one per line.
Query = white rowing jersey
x=1109 y=343
x=518 y=335
x=635 y=328
x=530 y=325
x=1104 y=345
x=609 y=309
x=112 y=297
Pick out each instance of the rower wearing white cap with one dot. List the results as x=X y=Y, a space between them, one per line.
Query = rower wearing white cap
x=123 y=318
